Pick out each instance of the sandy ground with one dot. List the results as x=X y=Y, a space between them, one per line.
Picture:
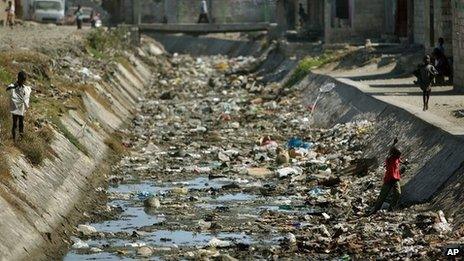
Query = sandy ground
x=34 y=36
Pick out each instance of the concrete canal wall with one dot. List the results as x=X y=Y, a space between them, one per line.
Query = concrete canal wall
x=38 y=202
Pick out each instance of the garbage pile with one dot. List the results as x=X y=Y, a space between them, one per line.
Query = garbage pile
x=224 y=167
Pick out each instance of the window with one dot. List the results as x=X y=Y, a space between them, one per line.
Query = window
x=341 y=13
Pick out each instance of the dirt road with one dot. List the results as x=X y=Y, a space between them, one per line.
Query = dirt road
x=38 y=37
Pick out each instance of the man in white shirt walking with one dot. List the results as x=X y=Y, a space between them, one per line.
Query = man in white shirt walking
x=203 y=12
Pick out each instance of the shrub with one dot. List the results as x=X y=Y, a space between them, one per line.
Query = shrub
x=306 y=65
x=68 y=135
x=4 y=166
x=115 y=144
x=5 y=76
x=46 y=133
x=5 y=117
x=33 y=148
x=100 y=41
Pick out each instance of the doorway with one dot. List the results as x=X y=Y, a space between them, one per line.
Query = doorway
x=401 y=19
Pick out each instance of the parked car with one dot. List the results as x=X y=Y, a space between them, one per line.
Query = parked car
x=71 y=18
x=48 y=11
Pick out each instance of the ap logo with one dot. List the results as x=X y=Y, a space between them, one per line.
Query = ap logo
x=454 y=251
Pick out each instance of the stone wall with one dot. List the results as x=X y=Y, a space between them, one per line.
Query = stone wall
x=458 y=44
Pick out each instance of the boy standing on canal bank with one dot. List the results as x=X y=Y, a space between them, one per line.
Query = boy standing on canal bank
x=19 y=103
x=425 y=75
x=391 y=180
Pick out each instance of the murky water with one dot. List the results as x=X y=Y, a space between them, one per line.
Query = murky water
x=135 y=218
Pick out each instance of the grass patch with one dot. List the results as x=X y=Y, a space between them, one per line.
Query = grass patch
x=5 y=173
x=114 y=142
x=5 y=76
x=5 y=116
x=33 y=148
x=306 y=65
x=100 y=43
x=46 y=133
x=34 y=145
x=126 y=64
x=68 y=135
x=90 y=90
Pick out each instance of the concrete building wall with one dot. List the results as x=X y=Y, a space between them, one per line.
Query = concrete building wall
x=187 y=11
x=368 y=17
x=458 y=44
x=444 y=25
x=315 y=11
x=420 y=21
x=366 y=20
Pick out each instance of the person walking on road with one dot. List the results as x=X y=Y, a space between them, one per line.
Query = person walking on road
x=10 y=14
x=19 y=103
x=425 y=75
x=391 y=180
x=203 y=12
x=79 y=16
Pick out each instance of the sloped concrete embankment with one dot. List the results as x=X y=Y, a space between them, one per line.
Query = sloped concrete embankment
x=436 y=169
x=36 y=202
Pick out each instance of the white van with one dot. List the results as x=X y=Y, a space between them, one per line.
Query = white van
x=48 y=11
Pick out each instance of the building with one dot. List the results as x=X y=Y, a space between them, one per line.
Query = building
x=187 y=11
x=357 y=20
x=348 y=20
x=457 y=10
x=432 y=20
x=442 y=18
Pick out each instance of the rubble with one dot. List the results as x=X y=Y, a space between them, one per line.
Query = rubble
x=241 y=175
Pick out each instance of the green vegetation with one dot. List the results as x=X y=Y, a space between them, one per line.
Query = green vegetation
x=68 y=135
x=4 y=167
x=46 y=134
x=306 y=65
x=5 y=76
x=100 y=43
x=33 y=147
x=114 y=142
